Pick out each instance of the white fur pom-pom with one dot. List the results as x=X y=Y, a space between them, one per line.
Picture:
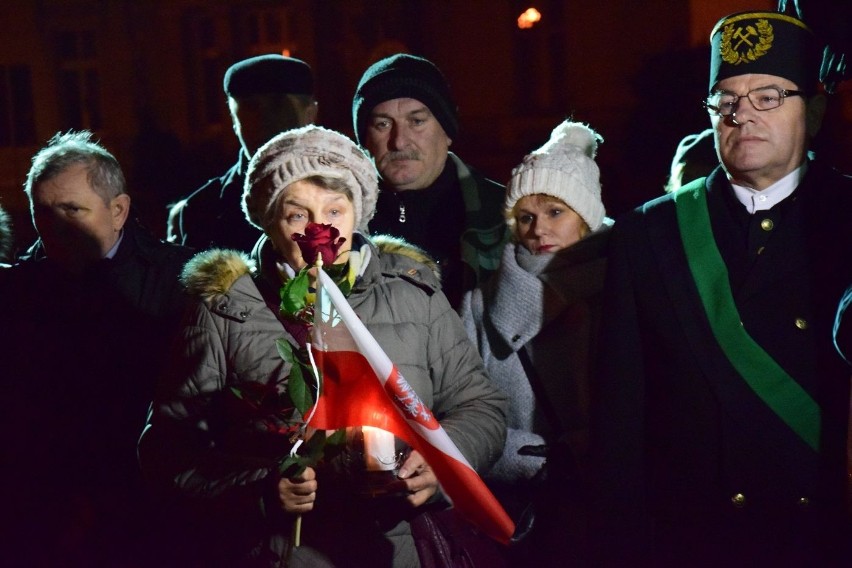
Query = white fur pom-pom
x=574 y=134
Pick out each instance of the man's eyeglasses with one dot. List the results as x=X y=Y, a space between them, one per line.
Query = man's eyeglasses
x=722 y=103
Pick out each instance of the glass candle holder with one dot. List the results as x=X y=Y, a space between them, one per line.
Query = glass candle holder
x=373 y=457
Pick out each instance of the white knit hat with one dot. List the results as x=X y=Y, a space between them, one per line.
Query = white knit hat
x=304 y=152
x=563 y=168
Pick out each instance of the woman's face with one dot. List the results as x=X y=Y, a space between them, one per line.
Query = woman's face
x=545 y=224
x=304 y=202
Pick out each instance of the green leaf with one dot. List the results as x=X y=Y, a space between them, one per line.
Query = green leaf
x=292 y=466
x=297 y=387
x=338 y=438
x=313 y=449
x=300 y=394
x=337 y=271
x=294 y=292
x=339 y=274
x=345 y=287
x=311 y=452
x=317 y=440
x=285 y=350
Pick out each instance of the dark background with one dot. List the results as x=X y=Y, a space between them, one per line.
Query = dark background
x=146 y=76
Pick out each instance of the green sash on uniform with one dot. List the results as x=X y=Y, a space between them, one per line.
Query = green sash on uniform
x=765 y=377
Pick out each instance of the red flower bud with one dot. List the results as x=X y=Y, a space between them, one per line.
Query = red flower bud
x=319 y=239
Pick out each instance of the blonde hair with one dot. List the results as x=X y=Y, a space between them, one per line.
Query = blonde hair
x=511 y=215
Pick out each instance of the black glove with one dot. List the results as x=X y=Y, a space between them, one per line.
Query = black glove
x=559 y=465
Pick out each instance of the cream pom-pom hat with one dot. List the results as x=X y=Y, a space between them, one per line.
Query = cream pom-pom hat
x=563 y=168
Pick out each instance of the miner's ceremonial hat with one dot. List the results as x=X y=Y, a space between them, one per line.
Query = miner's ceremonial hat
x=768 y=43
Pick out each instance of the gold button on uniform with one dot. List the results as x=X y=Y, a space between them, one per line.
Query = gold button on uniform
x=801 y=323
x=767 y=224
x=804 y=502
x=738 y=500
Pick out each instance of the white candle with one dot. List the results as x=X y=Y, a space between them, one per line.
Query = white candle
x=379 y=450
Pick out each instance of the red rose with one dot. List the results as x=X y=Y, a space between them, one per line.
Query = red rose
x=319 y=239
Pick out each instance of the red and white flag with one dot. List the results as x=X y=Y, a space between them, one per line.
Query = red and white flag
x=362 y=387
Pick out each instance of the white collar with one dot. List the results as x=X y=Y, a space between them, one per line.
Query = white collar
x=754 y=200
x=111 y=252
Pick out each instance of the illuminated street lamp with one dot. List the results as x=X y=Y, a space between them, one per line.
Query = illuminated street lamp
x=529 y=18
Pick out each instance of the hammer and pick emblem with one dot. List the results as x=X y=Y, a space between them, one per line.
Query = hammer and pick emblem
x=743 y=44
x=743 y=37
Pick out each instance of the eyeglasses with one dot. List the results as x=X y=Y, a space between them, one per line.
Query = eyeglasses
x=722 y=103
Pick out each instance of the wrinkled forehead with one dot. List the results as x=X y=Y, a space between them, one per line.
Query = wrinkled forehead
x=325 y=188
x=400 y=107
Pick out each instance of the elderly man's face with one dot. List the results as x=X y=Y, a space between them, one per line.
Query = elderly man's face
x=76 y=226
x=408 y=143
x=760 y=147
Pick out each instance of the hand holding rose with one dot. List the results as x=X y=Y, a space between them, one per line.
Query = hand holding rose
x=297 y=494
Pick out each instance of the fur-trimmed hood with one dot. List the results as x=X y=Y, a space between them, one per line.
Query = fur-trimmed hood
x=388 y=244
x=211 y=274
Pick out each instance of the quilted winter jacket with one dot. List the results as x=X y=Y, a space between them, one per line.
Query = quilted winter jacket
x=192 y=444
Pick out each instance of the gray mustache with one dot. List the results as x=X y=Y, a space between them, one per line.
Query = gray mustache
x=402 y=155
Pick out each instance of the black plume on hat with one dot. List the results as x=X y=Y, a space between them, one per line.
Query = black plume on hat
x=404 y=76
x=768 y=43
x=270 y=73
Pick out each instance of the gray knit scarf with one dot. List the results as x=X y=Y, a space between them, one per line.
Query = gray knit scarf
x=528 y=291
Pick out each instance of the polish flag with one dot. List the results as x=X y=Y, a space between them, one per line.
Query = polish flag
x=362 y=387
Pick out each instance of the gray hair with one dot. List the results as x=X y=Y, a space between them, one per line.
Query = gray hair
x=71 y=148
x=5 y=236
x=331 y=183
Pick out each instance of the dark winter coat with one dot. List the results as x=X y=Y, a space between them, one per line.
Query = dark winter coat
x=229 y=340
x=458 y=221
x=80 y=357
x=694 y=468
x=212 y=216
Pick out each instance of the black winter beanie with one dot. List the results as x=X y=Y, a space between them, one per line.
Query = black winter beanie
x=404 y=76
